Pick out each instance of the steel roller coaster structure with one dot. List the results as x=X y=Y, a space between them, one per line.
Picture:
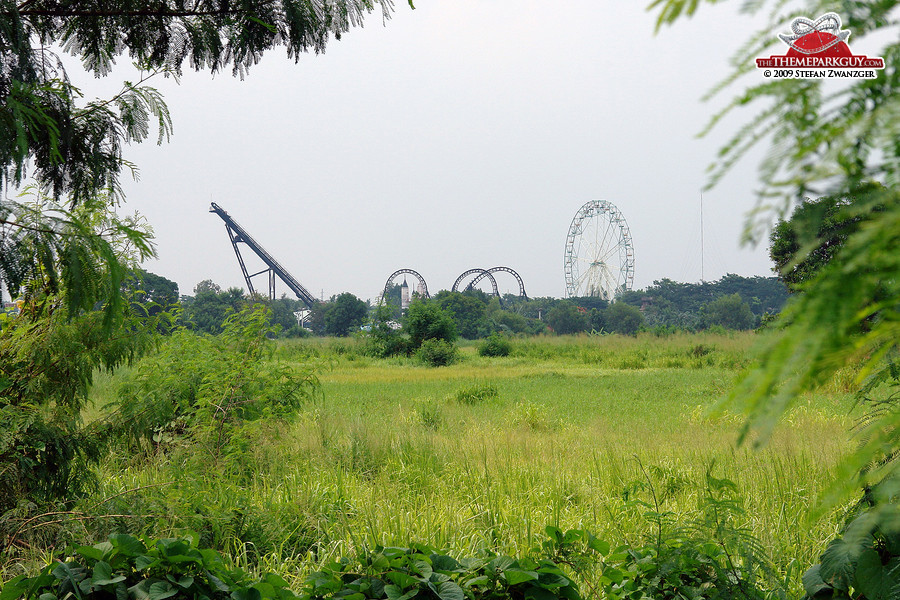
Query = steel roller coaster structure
x=238 y=235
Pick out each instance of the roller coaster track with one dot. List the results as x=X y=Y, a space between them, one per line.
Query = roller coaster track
x=488 y=273
x=238 y=234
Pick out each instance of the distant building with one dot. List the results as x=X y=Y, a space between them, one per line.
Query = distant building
x=404 y=295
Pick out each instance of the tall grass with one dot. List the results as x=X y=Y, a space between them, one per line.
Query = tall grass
x=392 y=455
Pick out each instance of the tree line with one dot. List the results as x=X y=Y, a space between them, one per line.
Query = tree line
x=733 y=302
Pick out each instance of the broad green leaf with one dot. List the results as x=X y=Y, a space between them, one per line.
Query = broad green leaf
x=185 y=581
x=266 y=590
x=573 y=535
x=813 y=583
x=14 y=588
x=549 y=580
x=598 y=545
x=501 y=563
x=517 y=576
x=161 y=590
x=127 y=545
x=395 y=593
x=570 y=592
x=613 y=575
x=103 y=575
x=839 y=563
x=447 y=590
x=422 y=568
x=555 y=533
x=92 y=552
x=144 y=562
x=381 y=563
x=481 y=580
x=441 y=562
x=141 y=590
x=873 y=579
x=539 y=593
x=400 y=579
x=276 y=580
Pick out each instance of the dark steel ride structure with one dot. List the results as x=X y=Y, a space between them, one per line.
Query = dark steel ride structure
x=238 y=235
x=489 y=274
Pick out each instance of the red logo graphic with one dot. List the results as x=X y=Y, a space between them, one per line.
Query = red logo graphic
x=818 y=50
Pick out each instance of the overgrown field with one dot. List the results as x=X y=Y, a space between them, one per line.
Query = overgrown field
x=484 y=454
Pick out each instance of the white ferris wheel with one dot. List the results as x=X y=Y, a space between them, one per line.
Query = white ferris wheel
x=599 y=258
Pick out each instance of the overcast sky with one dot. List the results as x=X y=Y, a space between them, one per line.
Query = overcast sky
x=462 y=134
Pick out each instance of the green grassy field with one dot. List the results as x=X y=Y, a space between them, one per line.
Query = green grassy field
x=489 y=451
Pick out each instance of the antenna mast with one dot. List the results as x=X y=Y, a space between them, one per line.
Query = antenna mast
x=701 y=237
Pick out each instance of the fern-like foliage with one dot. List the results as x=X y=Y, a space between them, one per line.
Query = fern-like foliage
x=68 y=264
x=76 y=151
x=80 y=255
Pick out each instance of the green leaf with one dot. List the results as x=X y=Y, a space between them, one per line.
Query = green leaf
x=395 y=593
x=517 y=576
x=598 y=545
x=555 y=533
x=127 y=545
x=275 y=580
x=813 y=583
x=161 y=590
x=447 y=590
x=501 y=563
x=143 y=562
x=422 y=568
x=441 y=562
x=480 y=580
x=92 y=552
x=873 y=579
x=141 y=590
x=573 y=535
x=613 y=575
x=839 y=563
x=400 y=579
x=103 y=575
x=14 y=588
x=185 y=581
x=539 y=593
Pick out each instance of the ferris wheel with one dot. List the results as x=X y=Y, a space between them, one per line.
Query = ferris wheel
x=599 y=258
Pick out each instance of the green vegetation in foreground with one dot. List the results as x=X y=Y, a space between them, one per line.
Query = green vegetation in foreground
x=480 y=455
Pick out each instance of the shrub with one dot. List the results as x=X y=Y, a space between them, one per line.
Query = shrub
x=426 y=320
x=207 y=389
x=419 y=572
x=430 y=414
x=531 y=415
x=437 y=353
x=477 y=393
x=495 y=345
x=127 y=568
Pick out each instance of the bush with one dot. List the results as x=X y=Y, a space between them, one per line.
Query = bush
x=437 y=353
x=478 y=393
x=419 y=572
x=426 y=320
x=207 y=389
x=495 y=345
x=127 y=568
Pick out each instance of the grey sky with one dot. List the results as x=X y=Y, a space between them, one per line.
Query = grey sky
x=463 y=134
